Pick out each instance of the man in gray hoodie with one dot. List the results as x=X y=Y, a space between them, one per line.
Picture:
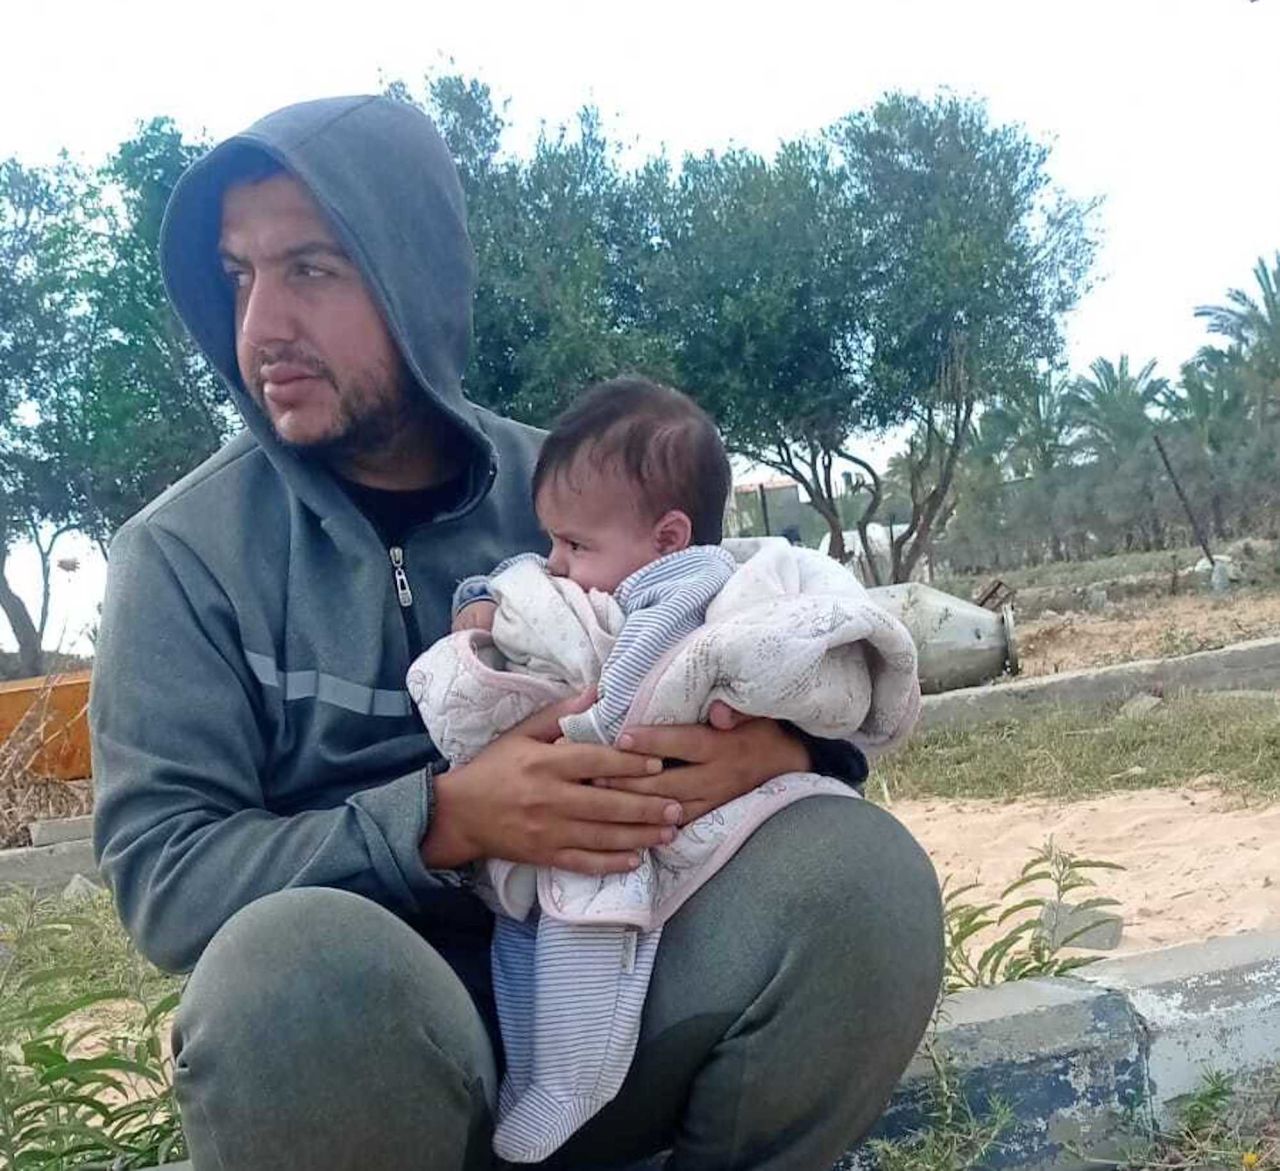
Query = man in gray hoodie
x=270 y=812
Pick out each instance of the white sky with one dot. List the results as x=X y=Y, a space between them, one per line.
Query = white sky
x=1163 y=107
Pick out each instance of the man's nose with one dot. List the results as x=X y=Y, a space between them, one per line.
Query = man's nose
x=267 y=314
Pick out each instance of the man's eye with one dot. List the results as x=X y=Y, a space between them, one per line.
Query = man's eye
x=237 y=278
x=312 y=271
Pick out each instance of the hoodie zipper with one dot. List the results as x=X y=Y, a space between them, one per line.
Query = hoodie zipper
x=403 y=592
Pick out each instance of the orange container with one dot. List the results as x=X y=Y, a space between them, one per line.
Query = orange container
x=64 y=753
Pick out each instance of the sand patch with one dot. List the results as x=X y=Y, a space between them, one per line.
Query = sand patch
x=1145 y=628
x=1198 y=864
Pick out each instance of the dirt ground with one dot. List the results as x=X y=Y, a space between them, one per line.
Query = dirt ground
x=1145 y=628
x=1197 y=864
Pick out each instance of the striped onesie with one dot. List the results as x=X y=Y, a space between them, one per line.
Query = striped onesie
x=570 y=995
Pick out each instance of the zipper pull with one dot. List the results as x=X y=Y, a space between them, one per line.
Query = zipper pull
x=403 y=592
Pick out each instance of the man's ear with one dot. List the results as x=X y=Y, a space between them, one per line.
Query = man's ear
x=673 y=532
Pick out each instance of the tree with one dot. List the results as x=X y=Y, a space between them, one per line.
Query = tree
x=1210 y=405
x=975 y=258
x=557 y=237
x=1111 y=408
x=42 y=335
x=758 y=288
x=1252 y=326
x=105 y=400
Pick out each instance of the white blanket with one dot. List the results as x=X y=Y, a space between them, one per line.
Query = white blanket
x=793 y=636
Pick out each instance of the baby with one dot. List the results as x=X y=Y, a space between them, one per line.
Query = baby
x=638 y=598
x=631 y=488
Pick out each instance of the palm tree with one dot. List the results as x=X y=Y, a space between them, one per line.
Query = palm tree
x=1111 y=408
x=1211 y=405
x=1252 y=325
x=1030 y=431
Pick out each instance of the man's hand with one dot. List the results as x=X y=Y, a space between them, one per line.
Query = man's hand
x=723 y=761
x=526 y=800
x=475 y=616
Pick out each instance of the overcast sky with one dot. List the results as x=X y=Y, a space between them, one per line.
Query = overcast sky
x=1165 y=108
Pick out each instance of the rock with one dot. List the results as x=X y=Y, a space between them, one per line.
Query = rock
x=1220 y=578
x=1139 y=706
x=1049 y=614
x=1096 y=599
x=1099 y=930
x=79 y=889
x=61 y=829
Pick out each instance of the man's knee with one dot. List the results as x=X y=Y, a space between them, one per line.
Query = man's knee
x=307 y=966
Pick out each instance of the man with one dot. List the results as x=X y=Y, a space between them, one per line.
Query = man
x=271 y=813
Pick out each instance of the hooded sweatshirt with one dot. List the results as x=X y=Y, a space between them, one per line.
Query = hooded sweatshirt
x=251 y=728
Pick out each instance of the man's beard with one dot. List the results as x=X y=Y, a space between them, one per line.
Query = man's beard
x=374 y=411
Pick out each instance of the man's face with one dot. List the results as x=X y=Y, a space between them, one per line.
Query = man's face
x=311 y=345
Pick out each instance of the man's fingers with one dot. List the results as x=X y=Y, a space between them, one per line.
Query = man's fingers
x=599 y=760
x=594 y=862
x=600 y=805
x=691 y=742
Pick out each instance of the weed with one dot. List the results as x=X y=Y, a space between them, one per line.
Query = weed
x=1023 y=949
x=1072 y=753
x=84 y=1078
x=1223 y=1126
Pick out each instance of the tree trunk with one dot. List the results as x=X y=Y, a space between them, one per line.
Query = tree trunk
x=24 y=630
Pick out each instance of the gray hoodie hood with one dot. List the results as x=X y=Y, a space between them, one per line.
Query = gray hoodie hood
x=382 y=174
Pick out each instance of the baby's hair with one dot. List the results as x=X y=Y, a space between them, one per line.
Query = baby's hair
x=658 y=439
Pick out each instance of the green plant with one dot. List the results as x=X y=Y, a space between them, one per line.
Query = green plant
x=955 y=1137
x=1023 y=949
x=1223 y=1125
x=85 y=1081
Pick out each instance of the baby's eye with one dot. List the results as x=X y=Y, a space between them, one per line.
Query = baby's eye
x=576 y=546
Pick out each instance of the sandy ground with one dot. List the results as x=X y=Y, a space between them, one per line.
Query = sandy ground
x=1198 y=864
x=1146 y=628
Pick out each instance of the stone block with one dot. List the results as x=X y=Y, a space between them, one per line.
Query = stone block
x=1087 y=927
x=1203 y=1006
x=47 y=868
x=61 y=829
x=1139 y=706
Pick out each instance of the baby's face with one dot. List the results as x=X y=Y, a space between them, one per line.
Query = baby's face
x=598 y=537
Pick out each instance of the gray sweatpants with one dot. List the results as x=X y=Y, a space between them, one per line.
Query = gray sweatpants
x=321 y=1033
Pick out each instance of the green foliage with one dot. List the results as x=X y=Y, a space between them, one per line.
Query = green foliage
x=955 y=1137
x=1070 y=753
x=1085 y=482
x=1022 y=949
x=1224 y=1124
x=85 y=1081
x=103 y=401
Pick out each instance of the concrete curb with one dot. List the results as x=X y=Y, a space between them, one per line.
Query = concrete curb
x=48 y=868
x=61 y=829
x=1245 y=666
x=1073 y=1057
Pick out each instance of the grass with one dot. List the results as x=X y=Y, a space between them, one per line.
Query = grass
x=1078 y=574
x=85 y=1081
x=1224 y=1125
x=1072 y=753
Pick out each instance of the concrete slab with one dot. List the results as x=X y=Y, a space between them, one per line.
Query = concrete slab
x=1251 y=665
x=1066 y=1057
x=61 y=829
x=1206 y=1006
x=47 y=868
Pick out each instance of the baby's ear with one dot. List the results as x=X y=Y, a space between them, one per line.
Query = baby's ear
x=673 y=532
